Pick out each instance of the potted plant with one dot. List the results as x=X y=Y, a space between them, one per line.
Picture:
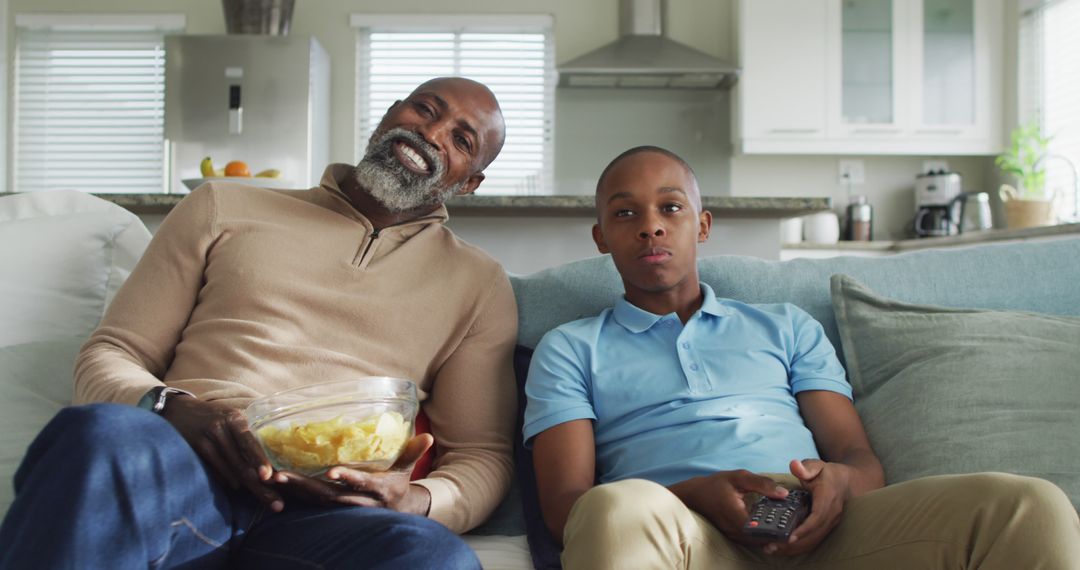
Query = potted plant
x=1026 y=204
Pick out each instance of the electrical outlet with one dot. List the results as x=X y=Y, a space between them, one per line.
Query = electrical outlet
x=852 y=172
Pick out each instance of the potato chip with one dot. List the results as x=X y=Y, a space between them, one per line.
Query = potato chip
x=313 y=446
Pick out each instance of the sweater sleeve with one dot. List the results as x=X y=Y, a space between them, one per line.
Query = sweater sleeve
x=130 y=351
x=472 y=409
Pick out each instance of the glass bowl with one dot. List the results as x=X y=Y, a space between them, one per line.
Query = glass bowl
x=361 y=423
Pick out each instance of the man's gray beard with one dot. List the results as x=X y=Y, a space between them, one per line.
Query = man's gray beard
x=393 y=185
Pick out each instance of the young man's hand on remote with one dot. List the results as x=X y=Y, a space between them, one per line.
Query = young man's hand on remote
x=829 y=485
x=723 y=498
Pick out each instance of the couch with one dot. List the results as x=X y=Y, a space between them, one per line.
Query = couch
x=961 y=359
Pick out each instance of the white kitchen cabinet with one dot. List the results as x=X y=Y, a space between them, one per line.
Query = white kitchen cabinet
x=787 y=53
x=870 y=77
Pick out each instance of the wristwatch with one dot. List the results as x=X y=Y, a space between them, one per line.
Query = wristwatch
x=155 y=399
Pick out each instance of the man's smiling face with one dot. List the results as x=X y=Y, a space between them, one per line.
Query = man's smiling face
x=432 y=145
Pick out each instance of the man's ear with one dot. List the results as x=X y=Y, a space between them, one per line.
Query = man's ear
x=598 y=239
x=704 y=226
x=471 y=183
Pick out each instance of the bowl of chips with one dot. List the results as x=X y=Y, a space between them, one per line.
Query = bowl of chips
x=361 y=423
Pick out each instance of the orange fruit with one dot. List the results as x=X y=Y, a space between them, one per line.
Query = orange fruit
x=237 y=168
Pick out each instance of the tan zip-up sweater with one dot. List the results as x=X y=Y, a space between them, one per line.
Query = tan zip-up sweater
x=244 y=292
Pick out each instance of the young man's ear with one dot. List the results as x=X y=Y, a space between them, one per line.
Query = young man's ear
x=704 y=226
x=598 y=239
x=471 y=183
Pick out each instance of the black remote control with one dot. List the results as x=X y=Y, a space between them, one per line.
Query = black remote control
x=774 y=519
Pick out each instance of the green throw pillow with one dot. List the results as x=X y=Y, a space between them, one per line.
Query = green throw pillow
x=945 y=390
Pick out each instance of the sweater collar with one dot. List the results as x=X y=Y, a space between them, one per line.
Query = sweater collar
x=329 y=194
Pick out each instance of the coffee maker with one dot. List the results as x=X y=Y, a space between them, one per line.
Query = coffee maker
x=937 y=208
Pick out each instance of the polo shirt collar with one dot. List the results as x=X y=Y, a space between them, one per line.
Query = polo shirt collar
x=711 y=304
x=636 y=320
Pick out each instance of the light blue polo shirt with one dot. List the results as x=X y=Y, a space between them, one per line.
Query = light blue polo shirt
x=672 y=402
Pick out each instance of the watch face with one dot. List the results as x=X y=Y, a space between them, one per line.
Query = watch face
x=150 y=399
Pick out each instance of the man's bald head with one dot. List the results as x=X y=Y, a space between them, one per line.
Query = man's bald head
x=481 y=95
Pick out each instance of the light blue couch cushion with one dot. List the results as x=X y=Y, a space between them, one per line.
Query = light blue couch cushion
x=1042 y=277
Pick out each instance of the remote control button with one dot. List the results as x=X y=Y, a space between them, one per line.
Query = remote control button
x=753 y=523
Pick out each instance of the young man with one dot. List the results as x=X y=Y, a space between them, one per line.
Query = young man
x=244 y=292
x=686 y=407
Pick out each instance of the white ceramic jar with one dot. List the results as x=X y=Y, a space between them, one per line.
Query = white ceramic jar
x=821 y=227
x=791 y=230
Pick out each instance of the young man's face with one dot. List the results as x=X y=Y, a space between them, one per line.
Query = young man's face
x=650 y=221
x=432 y=145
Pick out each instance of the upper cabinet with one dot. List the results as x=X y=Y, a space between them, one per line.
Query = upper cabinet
x=919 y=77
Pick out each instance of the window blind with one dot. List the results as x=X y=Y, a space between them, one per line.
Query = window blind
x=89 y=110
x=1050 y=89
x=518 y=66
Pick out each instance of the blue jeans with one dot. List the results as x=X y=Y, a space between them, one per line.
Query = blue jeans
x=114 y=486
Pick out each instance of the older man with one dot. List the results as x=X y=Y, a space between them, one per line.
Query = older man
x=244 y=292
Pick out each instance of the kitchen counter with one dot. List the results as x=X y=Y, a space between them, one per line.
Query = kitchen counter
x=538 y=206
x=898 y=246
x=531 y=233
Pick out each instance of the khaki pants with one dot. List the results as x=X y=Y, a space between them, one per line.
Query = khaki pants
x=990 y=521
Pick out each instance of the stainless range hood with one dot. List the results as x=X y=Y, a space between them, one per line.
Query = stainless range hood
x=262 y=17
x=644 y=57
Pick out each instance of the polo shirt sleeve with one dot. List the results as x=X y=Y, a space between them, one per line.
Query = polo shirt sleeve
x=814 y=364
x=557 y=387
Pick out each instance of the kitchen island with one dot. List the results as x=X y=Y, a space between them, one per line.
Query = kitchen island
x=531 y=233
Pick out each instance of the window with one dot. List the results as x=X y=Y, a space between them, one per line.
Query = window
x=512 y=55
x=89 y=103
x=1050 y=89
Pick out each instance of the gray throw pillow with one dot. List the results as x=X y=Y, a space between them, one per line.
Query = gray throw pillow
x=944 y=390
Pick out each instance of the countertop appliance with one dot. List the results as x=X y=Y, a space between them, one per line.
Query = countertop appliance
x=975 y=214
x=261 y=99
x=936 y=209
x=937 y=188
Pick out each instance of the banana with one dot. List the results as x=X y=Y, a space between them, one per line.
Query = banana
x=269 y=173
x=206 y=167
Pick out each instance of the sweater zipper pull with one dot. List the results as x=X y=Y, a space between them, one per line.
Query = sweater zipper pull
x=371 y=240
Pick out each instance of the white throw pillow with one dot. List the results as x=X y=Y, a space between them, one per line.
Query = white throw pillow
x=63 y=255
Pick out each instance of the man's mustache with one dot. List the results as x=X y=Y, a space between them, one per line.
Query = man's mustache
x=383 y=148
